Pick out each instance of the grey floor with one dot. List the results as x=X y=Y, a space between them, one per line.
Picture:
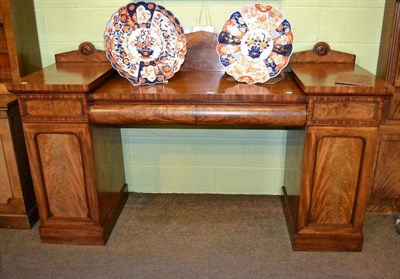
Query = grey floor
x=200 y=236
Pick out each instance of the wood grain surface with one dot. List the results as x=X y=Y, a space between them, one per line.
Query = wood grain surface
x=337 y=169
x=388 y=164
x=389 y=57
x=345 y=111
x=7 y=101
x=5 y=183
x=363 y=111
x=85 y=53
x=272 y=116
x=340 y=157
x=109 y=169
x=54 y=108
x=73 y=207
x=385 y=194
x=18 y=26
x=201 y=53
x=143 y=114
x=393 y=113
x=387 y=50
x=17 y=201
x=319 y=79
x=58 y=107
x=62 y=172
x=9 y=67
x=65 y=77
x=9 y=173
x=61 y=160
x=331 y=56
x=200 y=87
x=293 y=174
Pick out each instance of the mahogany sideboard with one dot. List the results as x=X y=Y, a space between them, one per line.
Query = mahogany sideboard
x=72 y=112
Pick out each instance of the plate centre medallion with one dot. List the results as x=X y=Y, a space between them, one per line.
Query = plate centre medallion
x=257 y=43
x=145 y=44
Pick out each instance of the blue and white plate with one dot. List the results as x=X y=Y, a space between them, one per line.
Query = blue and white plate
x=255 y=43
x=145 y=43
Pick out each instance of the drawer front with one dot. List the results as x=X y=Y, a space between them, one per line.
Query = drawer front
x=52 y=108
x=56 y=108
x=352 y=111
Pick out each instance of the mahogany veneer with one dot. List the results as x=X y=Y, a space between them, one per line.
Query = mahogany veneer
x=19 y=45
x=72 y=112
x=385 y=192
x=17 y=201
x=19 y=55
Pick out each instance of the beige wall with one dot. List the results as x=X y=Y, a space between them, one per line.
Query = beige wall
x=201 y=160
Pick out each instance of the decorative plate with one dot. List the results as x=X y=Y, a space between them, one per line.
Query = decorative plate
x=255 y=43
x=145 y=43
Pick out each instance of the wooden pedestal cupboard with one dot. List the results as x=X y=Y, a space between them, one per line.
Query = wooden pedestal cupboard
x=19 y=55
x=17 y=201
x=385 y=193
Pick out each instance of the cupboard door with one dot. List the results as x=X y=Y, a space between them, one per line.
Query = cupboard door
x=337 y=179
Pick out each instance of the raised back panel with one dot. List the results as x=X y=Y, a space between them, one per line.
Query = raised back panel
x=322 y=53
x=201 y=53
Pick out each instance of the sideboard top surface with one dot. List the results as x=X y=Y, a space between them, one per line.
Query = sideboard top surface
x=199 y=80
x=201 y=87
x=64 y=78
x=103 y=84
x=320 y=78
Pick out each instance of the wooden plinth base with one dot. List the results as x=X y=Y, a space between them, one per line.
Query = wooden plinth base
x=90 y=234
x=328 y=242
x=19 y=221
x=384 y=206
x=319 y=241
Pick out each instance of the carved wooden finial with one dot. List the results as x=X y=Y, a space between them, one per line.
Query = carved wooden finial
x=86 y=48
x=321 y=48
